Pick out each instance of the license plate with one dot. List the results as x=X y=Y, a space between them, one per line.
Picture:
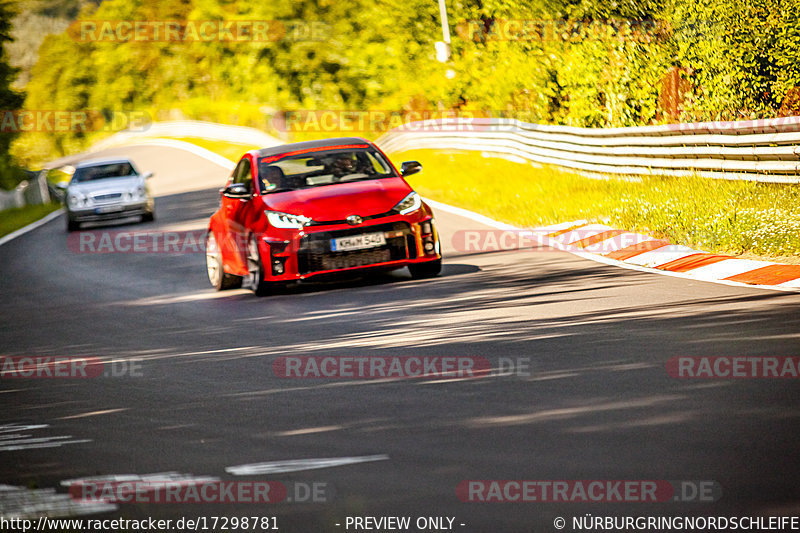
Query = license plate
x=358 y=242
x=108 y=209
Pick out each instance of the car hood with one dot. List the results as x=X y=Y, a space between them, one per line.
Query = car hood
x=338 y=201
x=106 y=185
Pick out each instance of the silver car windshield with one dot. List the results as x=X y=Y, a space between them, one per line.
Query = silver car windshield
x=102 y=172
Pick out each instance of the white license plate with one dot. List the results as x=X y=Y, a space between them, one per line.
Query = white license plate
x=109 y=209
x=358 y=242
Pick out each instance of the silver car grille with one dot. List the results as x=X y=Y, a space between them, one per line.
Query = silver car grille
x=111 y=197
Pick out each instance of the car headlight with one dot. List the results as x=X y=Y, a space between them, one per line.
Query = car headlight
x=135 y=194
x=77 y=200
x=286 y=220
x=409 y=204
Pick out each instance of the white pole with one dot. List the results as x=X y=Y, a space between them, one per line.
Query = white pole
x=445 y=27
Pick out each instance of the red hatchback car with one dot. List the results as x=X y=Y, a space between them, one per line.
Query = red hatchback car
x=314 y=209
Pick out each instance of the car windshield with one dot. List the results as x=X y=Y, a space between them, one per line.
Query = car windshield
x=315 y=169
x=101 y=172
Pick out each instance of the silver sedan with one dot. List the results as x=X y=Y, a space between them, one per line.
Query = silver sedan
x=105 y=189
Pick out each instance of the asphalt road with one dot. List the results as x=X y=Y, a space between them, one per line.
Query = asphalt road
x=597 y=403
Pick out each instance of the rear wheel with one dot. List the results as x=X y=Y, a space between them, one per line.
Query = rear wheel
x=426 y=270
x=219 y=279
x=255 y=268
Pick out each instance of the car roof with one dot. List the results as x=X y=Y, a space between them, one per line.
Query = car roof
x=306 y=145
x=104 y=161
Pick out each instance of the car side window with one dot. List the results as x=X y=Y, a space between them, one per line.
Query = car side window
x=242 y=173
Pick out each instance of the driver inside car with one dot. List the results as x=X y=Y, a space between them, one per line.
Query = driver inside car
x=271 y=177
x=342 y=166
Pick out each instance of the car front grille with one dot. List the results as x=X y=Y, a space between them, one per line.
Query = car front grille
x=111 y=197
x=315 y=255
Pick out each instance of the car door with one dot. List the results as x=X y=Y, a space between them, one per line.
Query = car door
x=235 y=211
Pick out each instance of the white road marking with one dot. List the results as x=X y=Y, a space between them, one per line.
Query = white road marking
x=299 y=465
x=13 y=437
x=21 y=502
x=161 y=478
x=663 y=255
x=728 y=268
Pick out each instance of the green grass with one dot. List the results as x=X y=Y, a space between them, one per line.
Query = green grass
x=737 y=217
x=18 y=217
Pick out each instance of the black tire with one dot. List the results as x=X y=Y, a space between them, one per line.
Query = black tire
x=219 y=279
x=73 y=225
x=255 y=278
x=149 y=216
x=430 y=269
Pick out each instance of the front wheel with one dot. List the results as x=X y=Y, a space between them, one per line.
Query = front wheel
x=219 y=279
x=255 y=268
x=430 y=269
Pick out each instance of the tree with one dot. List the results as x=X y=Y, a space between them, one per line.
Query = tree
x=10 y=101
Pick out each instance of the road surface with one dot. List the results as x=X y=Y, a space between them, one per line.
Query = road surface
x=595 y=404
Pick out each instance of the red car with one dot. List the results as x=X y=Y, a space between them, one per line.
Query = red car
x=314 y=209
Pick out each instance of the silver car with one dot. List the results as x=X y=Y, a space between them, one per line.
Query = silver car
x=105 y=189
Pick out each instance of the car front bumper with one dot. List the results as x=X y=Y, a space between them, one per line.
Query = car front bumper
x=308 y=253
x=109 y=212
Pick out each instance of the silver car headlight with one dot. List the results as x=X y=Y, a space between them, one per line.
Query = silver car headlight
x=135 y=194
x=286 y=220
x=77 y=200
x=409 y=204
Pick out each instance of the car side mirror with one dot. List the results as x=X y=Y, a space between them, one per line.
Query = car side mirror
x=148 y=175
x=410 y=167
x=237 y=190
x=63 y=184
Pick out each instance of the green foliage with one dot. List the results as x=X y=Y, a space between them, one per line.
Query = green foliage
x=744 y=60
x=595 y=63
x=10 y=100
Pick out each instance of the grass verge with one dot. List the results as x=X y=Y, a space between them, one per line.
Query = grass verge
x=18 y=217
x=758 y=220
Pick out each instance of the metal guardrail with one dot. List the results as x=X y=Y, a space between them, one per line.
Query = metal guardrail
x=30 y=192
x=757 y=150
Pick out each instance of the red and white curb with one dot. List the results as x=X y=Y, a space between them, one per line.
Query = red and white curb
x=636 y=251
